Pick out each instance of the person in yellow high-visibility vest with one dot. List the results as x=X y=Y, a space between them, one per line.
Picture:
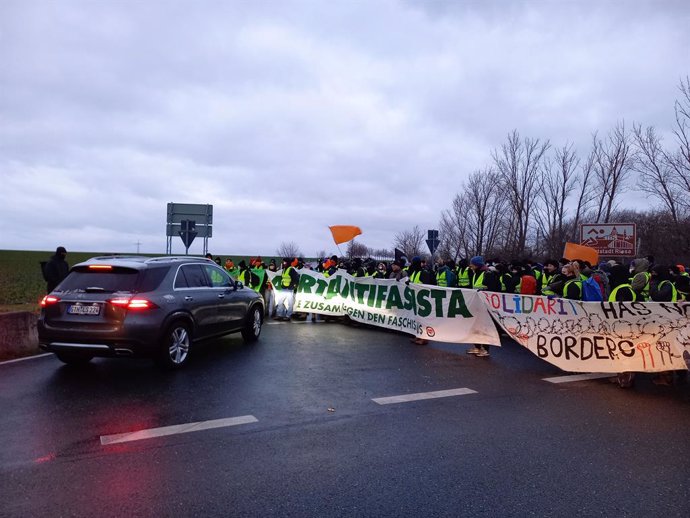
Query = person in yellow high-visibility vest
x=419 y=275
x=286 y=285
x=482 y=279
x=662 y=289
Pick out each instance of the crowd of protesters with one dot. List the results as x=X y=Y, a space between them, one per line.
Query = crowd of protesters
x=615 y=281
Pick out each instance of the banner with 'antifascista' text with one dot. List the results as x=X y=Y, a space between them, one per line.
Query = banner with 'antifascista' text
x=430 y=312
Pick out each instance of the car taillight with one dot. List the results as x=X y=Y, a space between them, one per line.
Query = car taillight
x=133 y=303
x=49 y=300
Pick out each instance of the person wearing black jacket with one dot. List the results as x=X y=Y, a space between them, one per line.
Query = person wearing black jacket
x=418 y=274
x=482 y=279
x=286 y=286
x=56 y=269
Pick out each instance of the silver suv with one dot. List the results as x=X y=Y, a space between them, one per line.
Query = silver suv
x=145 y=306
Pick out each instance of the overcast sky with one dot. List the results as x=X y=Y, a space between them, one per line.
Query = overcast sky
x=289 y=116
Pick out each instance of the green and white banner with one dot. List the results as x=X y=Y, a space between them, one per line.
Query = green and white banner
x=596 y=336
x=572 y=335
x=430 y=312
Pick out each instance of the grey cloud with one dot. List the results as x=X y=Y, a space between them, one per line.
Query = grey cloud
x=291 y=116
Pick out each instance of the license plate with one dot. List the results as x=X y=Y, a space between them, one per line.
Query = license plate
x=78 y=309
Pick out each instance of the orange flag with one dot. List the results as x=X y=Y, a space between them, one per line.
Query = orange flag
x=586 y=253
x=344 y=233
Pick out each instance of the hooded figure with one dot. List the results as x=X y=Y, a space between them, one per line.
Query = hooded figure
x=661 y=289
x=419 y=275
x=640 y=278
x=56 y=269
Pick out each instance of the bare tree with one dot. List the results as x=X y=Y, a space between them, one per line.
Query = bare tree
x=289 y=249
x=410 y=241
x=679 y=159
x=518 y=164
x=656 y=173
x=585 y=196
x=613 y=160
x=473 y=224
x=559 y=181
x=485 y=211
x=357 y=249
x=382 y=254
x=453 y=229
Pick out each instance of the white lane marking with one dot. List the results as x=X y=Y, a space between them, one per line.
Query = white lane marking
x=577 y=377
x=423 y=395
x=26 y=358
x=176 y=429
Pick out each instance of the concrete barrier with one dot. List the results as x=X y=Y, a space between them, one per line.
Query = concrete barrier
x=18 y=335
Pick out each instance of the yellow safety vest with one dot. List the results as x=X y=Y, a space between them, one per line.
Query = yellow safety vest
x=464 y=277
x=612 y=297
x=674 y=291
x=285 y=279
x=545 y=281
x=478 y=282
x=576 y=281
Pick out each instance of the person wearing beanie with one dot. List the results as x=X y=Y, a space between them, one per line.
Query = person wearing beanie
x=248 y=277
x=418 y=274
x=445 y=275
x=56 y=269
x=397 y=273
x=482 y=280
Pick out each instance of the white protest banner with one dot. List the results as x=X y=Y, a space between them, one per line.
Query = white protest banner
x=596 y=336
x=442 y=314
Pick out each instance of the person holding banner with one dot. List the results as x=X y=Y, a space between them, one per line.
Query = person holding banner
x=397 y=273
x=419 y=275
x=572 y=286
x=550 y=278
x=381 y=271
x=640 y=278
x=482 y=280
x=285 y=290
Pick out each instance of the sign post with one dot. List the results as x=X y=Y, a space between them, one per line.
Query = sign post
x=188 y=233
x=432 y=242
x=610 y=239
x=189 y=221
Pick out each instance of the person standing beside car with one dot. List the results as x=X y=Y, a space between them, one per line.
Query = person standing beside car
x=56 y=269
x=285 y=289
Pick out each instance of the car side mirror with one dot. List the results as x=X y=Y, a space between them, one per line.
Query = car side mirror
x=239 y=285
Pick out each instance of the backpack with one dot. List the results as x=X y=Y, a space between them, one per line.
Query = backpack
x=603 y=281
x=528 y=285
x=451 y=279
x=591 y=291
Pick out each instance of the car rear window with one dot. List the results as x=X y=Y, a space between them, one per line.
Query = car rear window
x=106 y=280
x=151 y=278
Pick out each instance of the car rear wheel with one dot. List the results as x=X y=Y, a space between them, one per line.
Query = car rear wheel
x=252 y=328
x=174 y=350
x=74 y=358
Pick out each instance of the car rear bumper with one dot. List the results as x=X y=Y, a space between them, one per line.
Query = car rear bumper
x=91 y=349
x=135 y=341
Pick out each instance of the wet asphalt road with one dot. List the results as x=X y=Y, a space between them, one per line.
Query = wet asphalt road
x=320 y=446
